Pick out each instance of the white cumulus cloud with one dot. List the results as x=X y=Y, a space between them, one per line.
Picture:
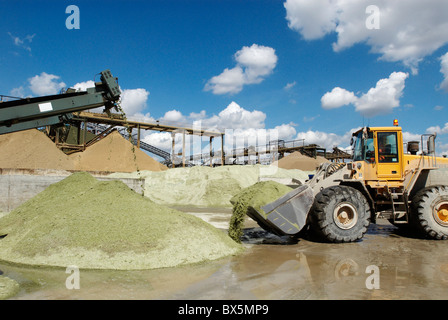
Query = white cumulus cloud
x=236 y=117
x=338 y=97
x=242 y=127
x=380 y=99
x=444 y=71
x=82 y=86
x=161 y=140
x=408 y=30
x=438 y=130
x=286 y=131
x=133 y=101
x=254 y=63
x=45 y=84
x=313 y=19
x=326 y=140
x=384 y=96
x=173 y=116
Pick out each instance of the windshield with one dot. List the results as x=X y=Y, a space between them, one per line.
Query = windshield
x=363 y=148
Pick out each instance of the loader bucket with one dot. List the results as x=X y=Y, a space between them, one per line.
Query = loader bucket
x=286 y=215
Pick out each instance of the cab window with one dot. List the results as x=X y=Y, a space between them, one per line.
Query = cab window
x=387 y=147
x=363 y=148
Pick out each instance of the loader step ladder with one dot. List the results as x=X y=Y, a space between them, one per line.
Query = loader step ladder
x=402 y=200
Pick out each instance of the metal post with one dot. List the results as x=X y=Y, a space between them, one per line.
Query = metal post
x=183 y=149
x=57 y=136
x=78 y=133
x=173 y=136
x=138 y=136
x=84 y=134
x=211 y=151
x=222 y=150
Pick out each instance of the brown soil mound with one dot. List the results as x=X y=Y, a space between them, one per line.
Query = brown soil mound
x=296 y=160
x=114 y=153
x=31 y=149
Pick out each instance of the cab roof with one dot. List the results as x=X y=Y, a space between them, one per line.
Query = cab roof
x=394 y=128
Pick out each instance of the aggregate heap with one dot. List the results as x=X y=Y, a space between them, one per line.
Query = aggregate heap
x=105 y=225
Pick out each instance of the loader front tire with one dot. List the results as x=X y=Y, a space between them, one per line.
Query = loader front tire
x=430 y=212
x=340 y=214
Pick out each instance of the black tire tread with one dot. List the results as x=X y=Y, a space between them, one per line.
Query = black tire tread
x=320 y=221
x=421 y=219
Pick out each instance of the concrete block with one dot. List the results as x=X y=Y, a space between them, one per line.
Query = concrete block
x=16 y=189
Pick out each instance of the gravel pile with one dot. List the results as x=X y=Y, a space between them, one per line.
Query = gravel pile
x=105 y=225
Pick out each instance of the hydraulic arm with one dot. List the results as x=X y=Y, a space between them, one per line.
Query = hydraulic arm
x=42 y=111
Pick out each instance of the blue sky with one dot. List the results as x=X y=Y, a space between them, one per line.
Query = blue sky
x=250 y=65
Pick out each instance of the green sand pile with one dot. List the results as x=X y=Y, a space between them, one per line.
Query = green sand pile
x=253 y=197
x=106 y=225
x=205 y=186
x=8 y=288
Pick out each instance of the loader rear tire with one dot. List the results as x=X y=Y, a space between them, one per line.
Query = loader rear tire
x=340 y=214
x=430 y=212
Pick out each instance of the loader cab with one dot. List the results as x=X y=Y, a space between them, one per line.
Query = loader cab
x=380 y=152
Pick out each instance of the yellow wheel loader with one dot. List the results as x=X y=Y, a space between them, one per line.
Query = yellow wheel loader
x=407 y=187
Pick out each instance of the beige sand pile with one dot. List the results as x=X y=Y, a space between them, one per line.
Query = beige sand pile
x=204 y=186
x=116 y=154
x=105 y=225
x=31 y=149
x=296 y=160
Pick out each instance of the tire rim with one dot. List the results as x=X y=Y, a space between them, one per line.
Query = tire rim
x=441 y=213
x=345 y=215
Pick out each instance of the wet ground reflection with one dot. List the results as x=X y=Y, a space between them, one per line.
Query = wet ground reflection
x=271 y=268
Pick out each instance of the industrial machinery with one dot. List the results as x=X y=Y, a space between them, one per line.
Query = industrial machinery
x=28 y=113
x=381 y=181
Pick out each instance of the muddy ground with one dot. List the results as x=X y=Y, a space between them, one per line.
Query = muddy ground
x=386 y=264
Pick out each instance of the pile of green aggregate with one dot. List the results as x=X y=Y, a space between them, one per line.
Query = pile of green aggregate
x=8 y=288
x=105 y=225
x=252 y=198
x=203 y=186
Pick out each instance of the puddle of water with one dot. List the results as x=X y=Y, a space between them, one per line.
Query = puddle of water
x=218 y=220
x=271 y=268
